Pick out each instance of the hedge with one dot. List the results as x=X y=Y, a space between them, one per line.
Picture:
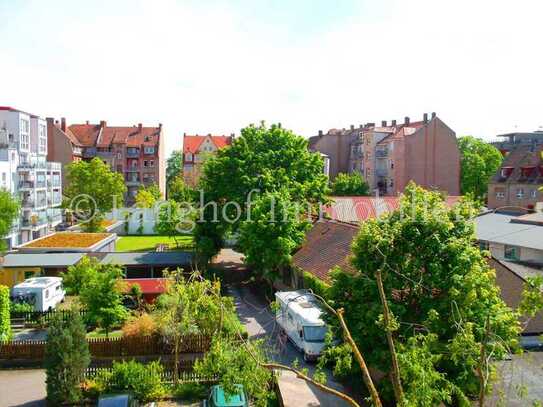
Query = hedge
x=5 y=323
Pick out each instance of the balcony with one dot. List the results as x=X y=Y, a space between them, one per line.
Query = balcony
x=133 y=168
x=26 y=184
x=27 y=203
x=34 y=222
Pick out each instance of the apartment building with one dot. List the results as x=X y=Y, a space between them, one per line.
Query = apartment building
x=195 y=150
x=519 y=180
x=26 y=173
x=137 y=152
x=391 y=155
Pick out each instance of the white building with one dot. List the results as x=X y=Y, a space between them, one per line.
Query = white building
x=25 y=172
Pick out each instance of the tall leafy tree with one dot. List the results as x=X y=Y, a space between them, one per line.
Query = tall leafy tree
x=146 y=197
x=479 y=161
x=262 y=160
x=93 y=189
x=174 y=220
x=435 y=283
x=102 y=297
x=66 y=358
x=9 y=211
x=179 y=191
x=350 y=185
x=174 y=167
x=79 y=275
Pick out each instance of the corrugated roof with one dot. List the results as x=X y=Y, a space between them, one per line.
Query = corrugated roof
x=498 y=228
x=173 y=258
x=41 y=259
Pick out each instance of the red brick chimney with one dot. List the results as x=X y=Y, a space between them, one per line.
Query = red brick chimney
x=103 y=123
x=383 y=123
x=393 y=123
x=63 y=123
x=140 y=127
x=425 y=118
x=406 y=121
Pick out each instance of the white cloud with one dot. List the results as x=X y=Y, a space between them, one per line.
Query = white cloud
x=206 y=69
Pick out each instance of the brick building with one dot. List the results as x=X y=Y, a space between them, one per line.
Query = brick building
x=518 y=181
x=137 y=152
x=195 y=150
x=391 y=155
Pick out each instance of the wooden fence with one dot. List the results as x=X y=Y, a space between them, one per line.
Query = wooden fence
x=43 y=318
x=109 y=347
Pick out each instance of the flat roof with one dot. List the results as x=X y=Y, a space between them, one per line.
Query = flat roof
x=173 y=258
x=41 y=259
x=498 y=228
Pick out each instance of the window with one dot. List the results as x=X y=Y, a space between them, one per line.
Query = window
x=511 y=252
x=520 y=193
x=149 y=150
x=145 y=163
x=483 y=245
x=151 y=163
x=25 y=137
x=534 y=193
x=42 y=135
x=189 y=157
x=500 y=195
x=46 y=294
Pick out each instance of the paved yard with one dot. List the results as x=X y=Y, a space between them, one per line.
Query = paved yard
x=22 y=388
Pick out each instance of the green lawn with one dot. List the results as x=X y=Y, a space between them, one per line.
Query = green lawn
x=99 y=333
x=148 y=243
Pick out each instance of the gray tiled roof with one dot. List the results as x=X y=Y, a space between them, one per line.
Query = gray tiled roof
x=41 y=259
x=496 y=227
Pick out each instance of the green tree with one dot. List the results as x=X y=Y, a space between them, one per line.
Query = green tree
x=479 y=161
x=9 y=211
x=5 y=321
x=66 y=358
x=435 y=282
x=102 y=297
x=262 y=160
x=174 y=168
x=93 y=190
x=179 y=191
x=146 y=197
x=79 y=275
x=235 y=365
x=174 y=220
x=352 y=184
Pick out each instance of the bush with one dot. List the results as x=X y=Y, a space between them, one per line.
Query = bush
x=190 y=391
x=142 y=380
x=141 y=325
x=5 y=322
x=21 y=307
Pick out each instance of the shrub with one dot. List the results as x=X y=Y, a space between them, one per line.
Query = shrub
x=5 y=323
x=21 y=307
x=141 y=325
x=190 y=391
x=143 y=380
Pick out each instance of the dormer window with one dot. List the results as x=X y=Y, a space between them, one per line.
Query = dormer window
x=506 y=172
x=527 y=171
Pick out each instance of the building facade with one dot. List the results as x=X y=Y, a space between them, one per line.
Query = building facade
x=26 y=173
x=391 y=155
x=137 y=152
x=195 y=150
x=519 y=180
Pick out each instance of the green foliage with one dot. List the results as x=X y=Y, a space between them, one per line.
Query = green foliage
x=436 y=281
x=95 y=179
x=21 y=307
x=174 y=168
x=101 y=296
x=479 y=161
x=234 y=365
x=532 y=297
x=174 y=220
x=273 y=233
x=315 y=284
x=79 y=275
x=179 y=191
x=352 y=184
x=146 y=197
x=143 y=380
x=9 y=211
x=263 y=160
x=5 y=322
x=190 y=391
x=66 y=358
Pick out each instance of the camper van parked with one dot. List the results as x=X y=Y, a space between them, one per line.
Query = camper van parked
x=299 y=315
x=42 y=292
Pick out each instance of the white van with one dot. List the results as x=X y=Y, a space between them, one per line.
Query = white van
x=42 y=292
x=299 y=315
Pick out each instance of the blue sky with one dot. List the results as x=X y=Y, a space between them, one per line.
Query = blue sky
x=216 y=66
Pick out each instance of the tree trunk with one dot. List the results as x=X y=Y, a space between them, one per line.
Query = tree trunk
x=396 y=382
x=360 y=359
x=176 y=362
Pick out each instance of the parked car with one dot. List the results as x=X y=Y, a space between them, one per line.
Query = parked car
x=218 y=398
x=44 y=293
x=118 y=400
x=300 y=318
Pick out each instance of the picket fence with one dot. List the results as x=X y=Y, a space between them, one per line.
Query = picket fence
x=109 y=347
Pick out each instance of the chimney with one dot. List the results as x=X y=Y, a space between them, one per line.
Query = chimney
x=433 y=115
x=279 y=125
x=370 y=124
x=87 y=122
x=139 y=127
x=160 y=126
x=406 y=121
x=361 y=126
x=383 y=123
x=103 y=123
x=232 y=135
x=393 y=123
x=320 y=132
x=425 y=118
x=352 y=126
x=63 y=123
x=184 y=134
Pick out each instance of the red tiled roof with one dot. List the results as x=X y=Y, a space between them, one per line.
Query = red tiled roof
x=327 y=245
x=356 y=209
x=191 y=144
x=95 y=135
x=148 y=285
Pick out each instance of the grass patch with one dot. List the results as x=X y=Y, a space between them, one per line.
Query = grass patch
x=148 y=242
x=100 y=333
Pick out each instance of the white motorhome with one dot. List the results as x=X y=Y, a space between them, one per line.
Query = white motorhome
x=299 y=315
x=42 y=292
